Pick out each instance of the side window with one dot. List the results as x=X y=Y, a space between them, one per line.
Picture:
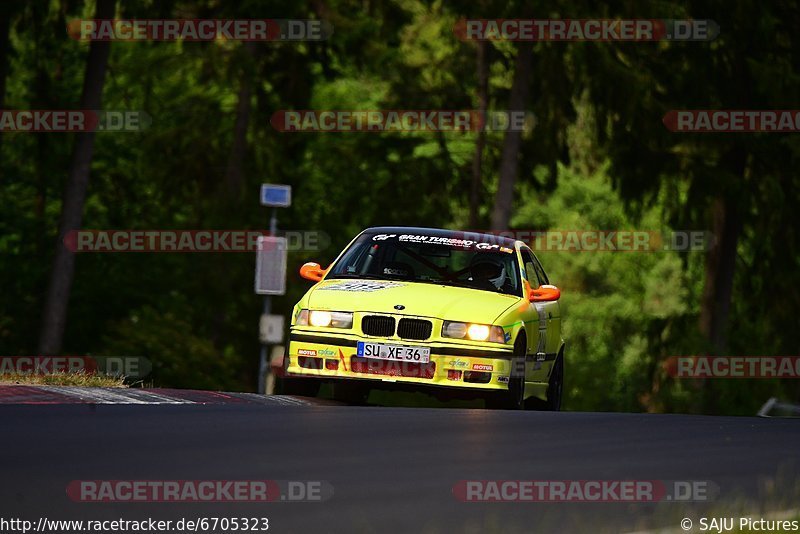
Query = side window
x=540 y=271
x=530 y=268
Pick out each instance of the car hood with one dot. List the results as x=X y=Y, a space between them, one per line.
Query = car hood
x=427 y=300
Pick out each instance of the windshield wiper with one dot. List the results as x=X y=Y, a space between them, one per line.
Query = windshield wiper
x=375 y=276
x=470 y=285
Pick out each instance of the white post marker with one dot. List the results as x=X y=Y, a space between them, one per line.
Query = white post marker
x=271 y=329
x=271 y=258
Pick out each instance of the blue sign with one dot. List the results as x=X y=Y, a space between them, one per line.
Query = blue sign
x=276 y=196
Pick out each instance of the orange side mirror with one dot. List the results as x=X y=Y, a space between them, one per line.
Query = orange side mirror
x=545 y=293
x=312 y=271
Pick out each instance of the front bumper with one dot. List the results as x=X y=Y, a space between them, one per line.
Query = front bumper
x=324 y=355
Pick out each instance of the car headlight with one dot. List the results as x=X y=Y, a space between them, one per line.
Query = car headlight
x=478 y=332
x=323 y=318
x=473 y=331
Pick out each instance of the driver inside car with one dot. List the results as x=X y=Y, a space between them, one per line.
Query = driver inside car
x=488 y=272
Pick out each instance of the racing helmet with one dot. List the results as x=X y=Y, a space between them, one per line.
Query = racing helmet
x=486 y=268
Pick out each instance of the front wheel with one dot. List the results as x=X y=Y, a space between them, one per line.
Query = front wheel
x=555 y=389
x=514 y=398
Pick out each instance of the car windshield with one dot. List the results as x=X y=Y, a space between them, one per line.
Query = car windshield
x=486 y=266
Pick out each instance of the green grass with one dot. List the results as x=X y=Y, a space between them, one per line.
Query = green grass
x=63 y=379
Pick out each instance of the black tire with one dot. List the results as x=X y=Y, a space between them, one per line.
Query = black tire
x=555 y=389
x=514 y=398
x=301 y=387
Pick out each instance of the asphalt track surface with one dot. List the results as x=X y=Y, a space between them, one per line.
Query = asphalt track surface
x=391 y=469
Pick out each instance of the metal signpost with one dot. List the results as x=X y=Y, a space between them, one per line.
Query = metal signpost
x=270 y=279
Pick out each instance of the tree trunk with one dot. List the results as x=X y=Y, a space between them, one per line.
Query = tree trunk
x=720 y=265
x=55 y=312
x=480 y=142
x=509 y=159
x=5 y=49
x=234 y=177
x=719 y=270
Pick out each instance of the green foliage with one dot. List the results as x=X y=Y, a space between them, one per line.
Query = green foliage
x=179 y=356
x=611 y=301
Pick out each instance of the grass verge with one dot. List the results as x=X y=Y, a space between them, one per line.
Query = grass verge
x=63 y=379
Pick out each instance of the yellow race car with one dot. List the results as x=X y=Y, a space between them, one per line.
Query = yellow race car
x=456 y=312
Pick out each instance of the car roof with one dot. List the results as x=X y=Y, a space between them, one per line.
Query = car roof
x=441 y=232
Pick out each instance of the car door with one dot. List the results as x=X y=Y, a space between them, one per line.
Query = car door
x=553 y=313
x=537 y=323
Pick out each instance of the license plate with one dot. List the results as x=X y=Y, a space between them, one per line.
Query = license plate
x=400 y=353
